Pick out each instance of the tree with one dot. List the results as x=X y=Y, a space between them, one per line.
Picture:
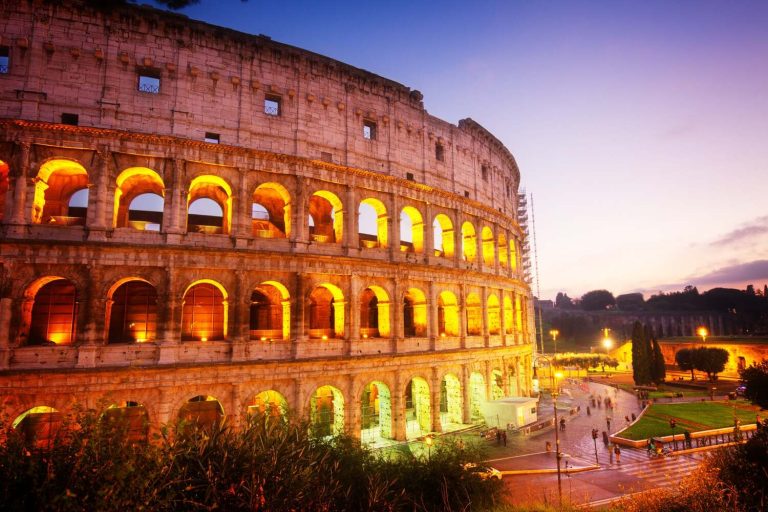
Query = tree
x=640 y=356
x=563 y=301
x=630 y=302
x=755 y=379
x=684 y=360
x=597 y=300
x=659 y=370
x=710 y=360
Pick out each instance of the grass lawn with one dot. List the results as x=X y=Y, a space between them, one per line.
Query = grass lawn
x=691 y=416
x=669 y=391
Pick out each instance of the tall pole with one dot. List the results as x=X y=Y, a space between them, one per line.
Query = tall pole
x=558 y=455
x=536 y=266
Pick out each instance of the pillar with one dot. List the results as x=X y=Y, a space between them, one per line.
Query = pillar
x=432 y=305
x=397 y=396
x=298 y=331
x=97 y=209
x=394 y=227
x=351 y=236
x=20 y=183
x=241 y=320
x=174 y=210
x=484 y=314
x=434 y=393
x=462 y=314
x=466 y=413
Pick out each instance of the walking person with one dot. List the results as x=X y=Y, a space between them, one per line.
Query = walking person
x=617 y=452
x=608 y=422
x=562 y=423
x=504 y=437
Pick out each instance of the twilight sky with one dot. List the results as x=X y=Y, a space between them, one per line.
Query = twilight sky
x=640 y=127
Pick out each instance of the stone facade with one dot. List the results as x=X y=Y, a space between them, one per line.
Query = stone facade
x=281 y=284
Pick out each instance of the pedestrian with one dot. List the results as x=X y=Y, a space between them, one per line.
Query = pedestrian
x=608 y=422
x=626 y=418
x=605 y=438
x=589 y=411
x=610 y=454
x=548 y=447
x=634 y=417
x=687 y=436
x=498 y=437
x=617 y=452
x=504 y=437
x=562 y=423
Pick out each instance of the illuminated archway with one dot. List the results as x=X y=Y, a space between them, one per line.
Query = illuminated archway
x=442 y=227
x=271 y=211
x=326 y=213
x=513 y=257
x=518 y=314
x=497 y=385
x=270 y=312
x=468 y=242
x=372 y=224
x=201 y=412
x=39 y=426
x=414 y=313
x=494 y=315
x=477 y=397
x=53 y=315
x=411 y=230
x=209 y=205
x=204 y=312
x=489 y=246
x=132 y=312
x=130 y=419
x=269 y=404
x=418 y=416
x=503 y=252
x=451 y=403
x=447 y=314
x=55 y=185
x=139 y=199
x=326 y=312
x=4 y=186
x=474 y=312
x=326 y=409
x=509 y=316
x=376 y=413
x=374 y=313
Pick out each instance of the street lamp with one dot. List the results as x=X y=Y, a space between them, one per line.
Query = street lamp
x=703 y=332
x=558 y=455
x=607 y=344
x=428 y=442
x=554 y=333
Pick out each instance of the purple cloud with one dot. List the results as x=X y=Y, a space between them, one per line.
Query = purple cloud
x=752 y=229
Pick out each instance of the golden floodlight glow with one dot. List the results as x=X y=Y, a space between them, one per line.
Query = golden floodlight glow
x=263 y=338
x=442 y=335
x=325 y=337
x=558 y=375
x=204 y=338
x=702 y=331
x=607 y=343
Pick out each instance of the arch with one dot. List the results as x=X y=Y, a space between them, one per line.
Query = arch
x=273 y=218
x=39 y=426
x=326 y=312
x=200 y=412
x=418 y=417
x=411 y=230
x=414 y=313
x=216 y=190
x=130 y=418
x=497 y=384
x=269 y=404
x=53 y=311
x=5 y=185
x=468 y=242
x=474 y=311
x=447 y=314
x=503 y=252
x=373 y=223
x=451 y=403
x=132 y=312
x=442 y=228
x=513 y=254
x=326 y=411
x=489 y=247
x=509 y=317
x=133 y=204
x=326 y=213
x=374 y=313
x=56 y=182
x=376 y=413
x=477 y=397
x=204 y=312
x=270 y=312
x=494 y=315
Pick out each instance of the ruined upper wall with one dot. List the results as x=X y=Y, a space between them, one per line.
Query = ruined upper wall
x=67 y=58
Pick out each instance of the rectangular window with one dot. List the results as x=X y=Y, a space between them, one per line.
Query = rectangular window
x=149 y=81
x=272 y=105
x=4 y=59
x=439 y=152
x=466 y=193
x=72 y=119
x=213 y=138
x=326 y=157
x=369 y=130
x=409 y=176
x=484 y=172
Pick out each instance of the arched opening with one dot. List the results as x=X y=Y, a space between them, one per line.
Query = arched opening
x=414 y=313
x=372 y=224
x=54 y=312
x=209 y=206
x=447 y=314
x=411 y=230
x=327 y=411
x=513 y=257
x=39 y=426
x=474 y=311
x=451 y=403
x=518 y=314
x=130 y=419
x=56 y=184
x=269 y=404
x=503 y=250
x=442 y=227
x=270 y=313
x=132 y=312
x=494 y=315
x=497 y=385
x=468 y=242
x=418 y=417
x=509 y=318
x=489 y=247
x=204 y=312
x=477 y=397
x=5 y=185
x=271 y=211
x=326 y=217
x=374 y=313
x=201 y=412
x=376 y=413
x=139 y=200
x=326 y=312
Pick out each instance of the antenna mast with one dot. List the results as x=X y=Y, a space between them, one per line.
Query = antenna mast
x=536 y=267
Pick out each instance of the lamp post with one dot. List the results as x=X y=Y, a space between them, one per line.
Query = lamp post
x=558 y=455
x=703 y=332
x=554 y=333
x=428 y=442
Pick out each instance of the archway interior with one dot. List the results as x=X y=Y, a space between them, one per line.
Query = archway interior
x=5 y=185
x=327 y=411
x=513 y=262
x=443 y=236
x=271 y=211
x=477 y=397
x=326 y=218
x=497 y=385
x=139 y=199
x=54 y=314
x=451 y=400
x=39 y=426
x=494 y=315
x=489 y=247
x=468 y=242
x=269 y=312
x=326 y=312
x=509 y=317
x=201 y=411
x=372 y=224
x=133 y=313
x=414 y=313
x=376 y=414
x=209 y=206
x=130 y=419
x=447 y=314
x=56 y=184
x=411 y=230
x=503 y=250
x=374 y=313
x=203 y=313
x=269 y=404
x=418 y=417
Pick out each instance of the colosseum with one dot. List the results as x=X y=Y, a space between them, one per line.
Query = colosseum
x=199 y=223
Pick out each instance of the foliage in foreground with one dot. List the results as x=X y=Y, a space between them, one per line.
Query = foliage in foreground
x=268 y=465
x=755 y=378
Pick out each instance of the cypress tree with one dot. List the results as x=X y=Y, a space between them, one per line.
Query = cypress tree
x=638 y=363
x=659 y=368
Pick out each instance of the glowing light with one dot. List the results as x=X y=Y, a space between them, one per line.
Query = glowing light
x=607 y=343
x=325 y=337
x=263 y=338
x=554 y=333
x=428 y=441
x=703 y=332
x=365 y=336
x=558 y=375
x=442 y=335
x=140 y=340
x=204 y=338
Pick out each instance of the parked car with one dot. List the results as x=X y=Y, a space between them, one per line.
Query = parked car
x=741 y=390
x=484 y=472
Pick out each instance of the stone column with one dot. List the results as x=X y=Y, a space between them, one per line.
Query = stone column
x=351 y=237
x=502 y=318
x=397 y=397
x=352 y=412
x=484 y=315
x=299 y=229
x=17 y=207
x=434 y=388
x=432 y=312
x=462 y=314
x=353 y=333
x=241 y=205
x=298 y=328
x=90 y=315
x=6 y=303
x=397 y=325
x=394 y=227
x=97 y=208
x=174 y=211
x=466 y=414
x=241 y=332
x=170 y=316
x=429 y=233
